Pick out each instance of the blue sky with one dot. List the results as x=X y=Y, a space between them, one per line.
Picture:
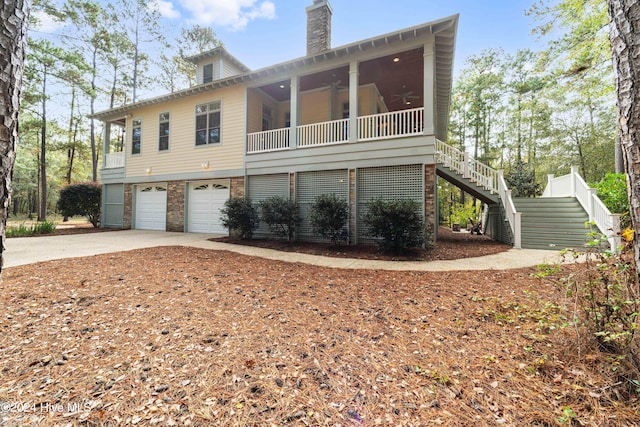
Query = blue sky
x=266 y=32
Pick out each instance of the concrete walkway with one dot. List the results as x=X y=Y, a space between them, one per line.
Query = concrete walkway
x=29 y=250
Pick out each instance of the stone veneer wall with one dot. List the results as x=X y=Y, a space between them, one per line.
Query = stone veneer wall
x=430 y=214
x=237 y=186
x=128 y=207
x=353 y=211
x=318 y=27
x=175 y=205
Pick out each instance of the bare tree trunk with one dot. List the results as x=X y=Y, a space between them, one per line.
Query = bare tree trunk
x=13 y=39
x=42 y=206
x=624 y=33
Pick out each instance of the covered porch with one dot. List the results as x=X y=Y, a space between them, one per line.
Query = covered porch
x=388 y=97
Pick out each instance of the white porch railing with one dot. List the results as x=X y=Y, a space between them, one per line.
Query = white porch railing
x=375 y=127
x=324 y=133
x=486 y=177
x=268 y=140
x=114 y=160
x=572 y=185
x=391 y=125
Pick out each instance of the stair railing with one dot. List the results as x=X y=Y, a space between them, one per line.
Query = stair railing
x=461 y=163
x=486 y=177
x=514 y=218
x=572 y=185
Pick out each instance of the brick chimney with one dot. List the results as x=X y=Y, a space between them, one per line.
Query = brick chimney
x=319 y=27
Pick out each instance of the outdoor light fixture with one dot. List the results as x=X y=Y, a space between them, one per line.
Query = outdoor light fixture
x=281 y=86
x=396 y=59
x=205 y=165
x=148 y=171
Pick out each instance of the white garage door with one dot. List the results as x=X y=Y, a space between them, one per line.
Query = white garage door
x=151 y=207
x=205 y=201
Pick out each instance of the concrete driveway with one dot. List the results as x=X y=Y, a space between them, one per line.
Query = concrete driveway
x=29 y=250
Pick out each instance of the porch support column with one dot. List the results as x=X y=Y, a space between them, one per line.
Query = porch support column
x=429 y=86
x=106 y=145
x=293 y=113
x=353 y=101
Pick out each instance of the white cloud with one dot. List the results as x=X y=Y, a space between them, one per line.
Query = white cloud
x=165 y=8
x=45 y=22
x=235 y=14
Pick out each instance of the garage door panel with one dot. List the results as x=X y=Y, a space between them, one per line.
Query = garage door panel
x=205 y=202
x=151 y=207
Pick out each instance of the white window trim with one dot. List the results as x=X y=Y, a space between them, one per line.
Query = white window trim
x=215 y=144
x=139 y=153
x=169 y=136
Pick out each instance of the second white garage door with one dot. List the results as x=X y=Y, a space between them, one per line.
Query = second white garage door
x=205 y=201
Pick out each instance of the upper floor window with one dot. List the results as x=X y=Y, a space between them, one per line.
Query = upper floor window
x=208 y=123
x=207 y=73
x=163 y=128
x=136 y=136
x=267 y=119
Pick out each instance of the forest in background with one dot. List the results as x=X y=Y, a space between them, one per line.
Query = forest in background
x=530 y=113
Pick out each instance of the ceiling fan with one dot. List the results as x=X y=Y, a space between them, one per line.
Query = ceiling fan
x=335 y=85
x=405 y=97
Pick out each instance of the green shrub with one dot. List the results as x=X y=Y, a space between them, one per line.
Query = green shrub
x=22 y=230
x=238 y=214
x=397 y=223
x=329 y=216
x=281 y=215
x=612 y=190
x=81 y=199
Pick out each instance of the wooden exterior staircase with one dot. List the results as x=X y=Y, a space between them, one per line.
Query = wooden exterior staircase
x=562 y=218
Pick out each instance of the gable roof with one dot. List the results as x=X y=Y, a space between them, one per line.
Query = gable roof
x=444 y=32
x=195 y=59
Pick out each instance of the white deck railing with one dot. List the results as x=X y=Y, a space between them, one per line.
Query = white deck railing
x=391 y=125
x=572 y=185
x=325 y=133
x=114 y=160
x=268 y=140
x=486 y=177
x=375 y=127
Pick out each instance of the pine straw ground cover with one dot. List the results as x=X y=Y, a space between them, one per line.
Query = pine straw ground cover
x=185 y=336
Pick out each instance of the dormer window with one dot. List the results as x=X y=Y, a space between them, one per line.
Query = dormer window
x=207 y=73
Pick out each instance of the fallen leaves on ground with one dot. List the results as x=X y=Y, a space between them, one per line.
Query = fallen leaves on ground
x=184 y=336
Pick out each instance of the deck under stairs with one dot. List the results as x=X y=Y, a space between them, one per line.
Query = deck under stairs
x=552 y=223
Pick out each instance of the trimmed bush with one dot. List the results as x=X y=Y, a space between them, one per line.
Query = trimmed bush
x=239 y=215
x=281 y=215
x=329 y=216
x=81 y=199
x=397 y=223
